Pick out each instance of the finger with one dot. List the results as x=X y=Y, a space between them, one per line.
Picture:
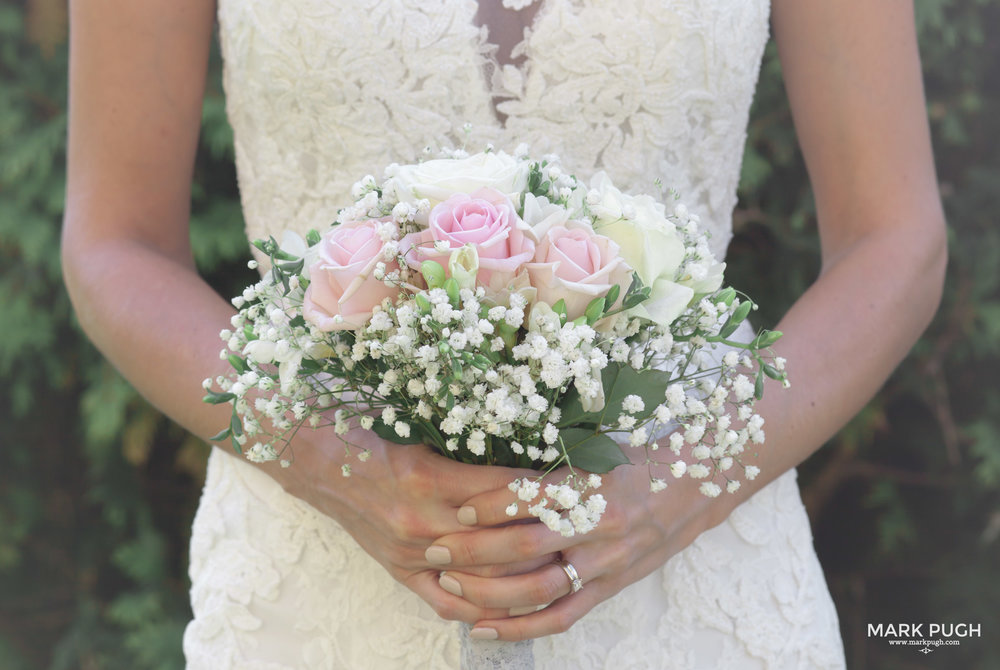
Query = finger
x=493 y=508
x=492 y=546
x=507 y=569
x=461 y=481
x=539 y=587
x=556 y=618
x=446 y=605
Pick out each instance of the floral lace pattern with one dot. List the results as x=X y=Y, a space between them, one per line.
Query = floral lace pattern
x=320 y=94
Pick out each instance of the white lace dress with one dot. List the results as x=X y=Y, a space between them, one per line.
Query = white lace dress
x=321 y=93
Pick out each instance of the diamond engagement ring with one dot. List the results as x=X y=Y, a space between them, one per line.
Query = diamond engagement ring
x=574 y=577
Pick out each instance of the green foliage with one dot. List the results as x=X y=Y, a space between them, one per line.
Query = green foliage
x=916 y=474
x=97 y=490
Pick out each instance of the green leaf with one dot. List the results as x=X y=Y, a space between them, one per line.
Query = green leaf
x=612 y=295
x=636 y=298
x=560 y=309
x=758 y=385
x=595 y=310
x=741 y=312
x=221 y=435
x=451 y=288
x=726 y=296
x=238 y=363
x=271 y=248
x=481 y=362
x=235 y=425
x=618 y=381
x=728 y=328
x=216 y=398
x=590 y=451
x=422 y=303
x=772 y=372
x=766 y=338
x=433 y=273
x=291 y=267
x=313 y=237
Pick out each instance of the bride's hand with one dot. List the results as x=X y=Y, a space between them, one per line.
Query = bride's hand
x=639 y=532
x=395 y=504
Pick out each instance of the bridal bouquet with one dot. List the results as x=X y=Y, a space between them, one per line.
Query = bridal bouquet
x=503 y=312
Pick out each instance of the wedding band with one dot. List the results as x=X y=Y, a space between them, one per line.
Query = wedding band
x=574 y=577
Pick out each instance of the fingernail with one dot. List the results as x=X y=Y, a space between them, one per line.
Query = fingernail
x=437 y=555
x=467 y=515
x=520 y=611
x=483 y=634
x=450 y=584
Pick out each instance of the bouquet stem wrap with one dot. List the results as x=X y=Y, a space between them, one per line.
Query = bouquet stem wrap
x=494 y=655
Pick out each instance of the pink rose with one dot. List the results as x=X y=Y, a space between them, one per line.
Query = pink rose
x=576 y=264
x=487 y=220
x=342 y=292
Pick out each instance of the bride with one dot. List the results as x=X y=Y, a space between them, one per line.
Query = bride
x=301 y=568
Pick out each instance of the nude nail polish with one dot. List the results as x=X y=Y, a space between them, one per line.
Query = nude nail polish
x=450 y=584
x=483 y=634
x=467 y=515
x=437 y=555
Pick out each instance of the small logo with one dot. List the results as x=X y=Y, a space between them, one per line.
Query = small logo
x=925 y=650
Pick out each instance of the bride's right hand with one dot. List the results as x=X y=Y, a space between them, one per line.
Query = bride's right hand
x=395 y=504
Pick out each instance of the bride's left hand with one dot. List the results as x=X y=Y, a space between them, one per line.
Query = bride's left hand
x=639 y=531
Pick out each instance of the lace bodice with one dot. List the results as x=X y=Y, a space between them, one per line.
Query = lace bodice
x=321 y=93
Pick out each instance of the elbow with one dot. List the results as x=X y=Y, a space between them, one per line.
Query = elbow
x=934 y=260
x=71 y=261
x=83 y=269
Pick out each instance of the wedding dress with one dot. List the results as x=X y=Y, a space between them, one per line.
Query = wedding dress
x=321 y=93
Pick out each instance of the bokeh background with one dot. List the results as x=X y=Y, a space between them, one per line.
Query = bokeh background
x=97 y=489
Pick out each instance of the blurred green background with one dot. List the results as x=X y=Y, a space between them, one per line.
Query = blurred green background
x=97 y=490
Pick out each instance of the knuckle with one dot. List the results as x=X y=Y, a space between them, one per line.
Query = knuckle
x=619 y=556
x=418 y=481
x=469 y=553
x=494 y=571
x=616 y=520
x=524 y=542
x=446 y=611
x=544 y=590
x=406 y=524
x=491 y=571
x=464 y=552
x=564 y=621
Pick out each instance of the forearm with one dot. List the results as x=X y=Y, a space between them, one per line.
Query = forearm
x=845 y=336
x=156 y=321
x=853 y=76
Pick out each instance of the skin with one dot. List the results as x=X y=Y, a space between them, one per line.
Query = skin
x=853 y=76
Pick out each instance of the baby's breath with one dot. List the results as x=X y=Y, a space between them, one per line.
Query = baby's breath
x=496 y=377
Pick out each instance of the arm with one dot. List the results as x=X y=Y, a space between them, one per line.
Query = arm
x=137 y=72
x=854 y=81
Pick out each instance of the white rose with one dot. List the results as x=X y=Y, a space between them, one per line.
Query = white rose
x=540 y=214
x=437 y=180
x=705 y=277
x=649 y=243
x=667 y=300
